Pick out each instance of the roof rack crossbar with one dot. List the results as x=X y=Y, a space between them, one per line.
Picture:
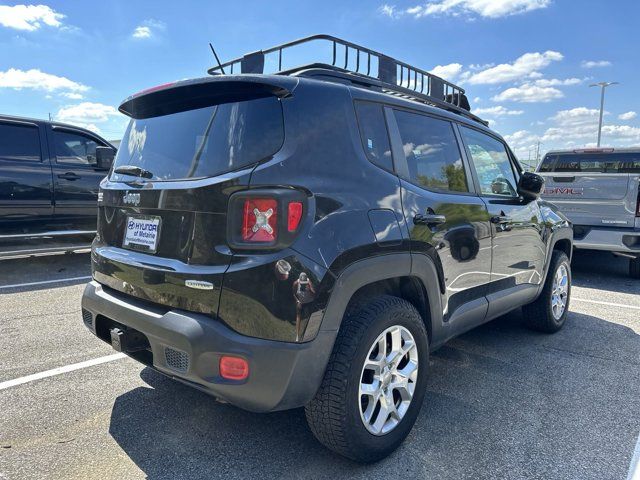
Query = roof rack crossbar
x=393 y=76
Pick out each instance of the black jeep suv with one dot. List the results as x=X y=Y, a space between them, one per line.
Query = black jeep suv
x=307 y=238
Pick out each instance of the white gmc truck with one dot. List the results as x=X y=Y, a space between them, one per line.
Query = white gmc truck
x=598 y=190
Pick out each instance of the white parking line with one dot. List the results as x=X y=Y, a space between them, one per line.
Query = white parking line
x=60 y=370
x=634 y=469
x=610 y=304
x=45 y=282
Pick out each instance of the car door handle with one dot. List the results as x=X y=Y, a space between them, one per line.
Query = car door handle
x=564 y=179
x=429 y=219
x=69 y=176
x=500 y=219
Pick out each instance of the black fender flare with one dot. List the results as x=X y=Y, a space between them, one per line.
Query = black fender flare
x=382 y=267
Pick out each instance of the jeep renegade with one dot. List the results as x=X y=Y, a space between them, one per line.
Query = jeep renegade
x=307 y=238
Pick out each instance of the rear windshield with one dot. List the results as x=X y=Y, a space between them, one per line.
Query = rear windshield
x=203 y=142
x=623 y=162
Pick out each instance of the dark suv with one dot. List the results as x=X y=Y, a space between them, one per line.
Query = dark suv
x=49 y=177
x=307 y=238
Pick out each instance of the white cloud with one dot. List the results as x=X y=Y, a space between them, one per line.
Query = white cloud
x=579 y=126
x=552 y=82
x=72 y=95
x=595 y=63
x=523 y=67
x=528 y=93
x=524 y=143
x=576 y=124
x=483 y=8
x=29 y=17
x=86 y=113
x=621 y=132
x=627 y=116
x=448 y=72
x=388 y=10
x=573 y=128
x=38 y=80
x=497 y=111
x=141 y=32
x=149 y=28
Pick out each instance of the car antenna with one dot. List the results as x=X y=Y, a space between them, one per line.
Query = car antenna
x=217 y=59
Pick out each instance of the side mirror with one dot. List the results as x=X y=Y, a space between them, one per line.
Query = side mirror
x=530 y=186
x=104 y=157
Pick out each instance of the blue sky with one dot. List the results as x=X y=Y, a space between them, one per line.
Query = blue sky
x=525 y=64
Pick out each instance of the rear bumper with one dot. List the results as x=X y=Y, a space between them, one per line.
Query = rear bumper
x=282 y=375
x=608 y=239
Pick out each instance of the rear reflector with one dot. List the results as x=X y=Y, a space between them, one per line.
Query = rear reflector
x=260 y=220
x=233 y=368
x=295 y=214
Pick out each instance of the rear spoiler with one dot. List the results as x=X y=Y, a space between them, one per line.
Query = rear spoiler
x=203 y=92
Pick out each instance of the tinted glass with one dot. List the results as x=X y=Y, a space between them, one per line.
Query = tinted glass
x=432 y=152
x=623 y=162
x=74 y=149
x=547 y=164
x=19 y=142
x=204 y=142
x=373 y=130
x=491 y=162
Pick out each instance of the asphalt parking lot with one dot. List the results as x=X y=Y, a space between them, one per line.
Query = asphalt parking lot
x=502 y=402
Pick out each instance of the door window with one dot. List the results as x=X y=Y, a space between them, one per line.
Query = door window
x=431 y=151
x=491 y=163
x=74 y=148
x=19 y=142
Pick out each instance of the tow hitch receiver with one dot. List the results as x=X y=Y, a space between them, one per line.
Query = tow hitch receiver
x=127 y=341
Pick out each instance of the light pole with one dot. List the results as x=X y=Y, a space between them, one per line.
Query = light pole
x=602 y=86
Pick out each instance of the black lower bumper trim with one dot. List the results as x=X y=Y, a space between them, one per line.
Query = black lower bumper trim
x=281 y=375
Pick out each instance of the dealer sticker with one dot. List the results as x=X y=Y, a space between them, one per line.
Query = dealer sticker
x=142 y=233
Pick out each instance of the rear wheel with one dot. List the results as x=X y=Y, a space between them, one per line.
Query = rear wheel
x=549 y=311
x=375 y=381
x=634 y=267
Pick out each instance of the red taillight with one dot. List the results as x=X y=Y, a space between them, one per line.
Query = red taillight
x=295 y=214
x=234 y=368
x=260 y=220
x=638 y=203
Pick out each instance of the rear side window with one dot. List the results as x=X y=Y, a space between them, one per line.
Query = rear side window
x=491 y=162
x=373 y=131
x=432 y=152
x=204 y=142
x=74 y=148
x=19 y=142
x=623 y=162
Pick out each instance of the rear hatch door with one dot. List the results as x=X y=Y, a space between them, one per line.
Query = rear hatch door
x=593 y=189
x=163 y=209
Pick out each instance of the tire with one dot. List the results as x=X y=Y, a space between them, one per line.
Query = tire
x=335 y=414
x=634 y=268
x=540 y=315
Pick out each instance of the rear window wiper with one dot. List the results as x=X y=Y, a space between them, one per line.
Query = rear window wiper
x=133 y=170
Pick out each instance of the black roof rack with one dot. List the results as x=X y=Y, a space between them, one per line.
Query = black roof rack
x=372 y=68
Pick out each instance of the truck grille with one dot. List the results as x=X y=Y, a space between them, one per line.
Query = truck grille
x=176 y=359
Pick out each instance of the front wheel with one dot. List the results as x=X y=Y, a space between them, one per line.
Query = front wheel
x=375 y=381
x=549 y=311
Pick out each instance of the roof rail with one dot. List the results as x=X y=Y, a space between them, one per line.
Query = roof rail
x=390 y=75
